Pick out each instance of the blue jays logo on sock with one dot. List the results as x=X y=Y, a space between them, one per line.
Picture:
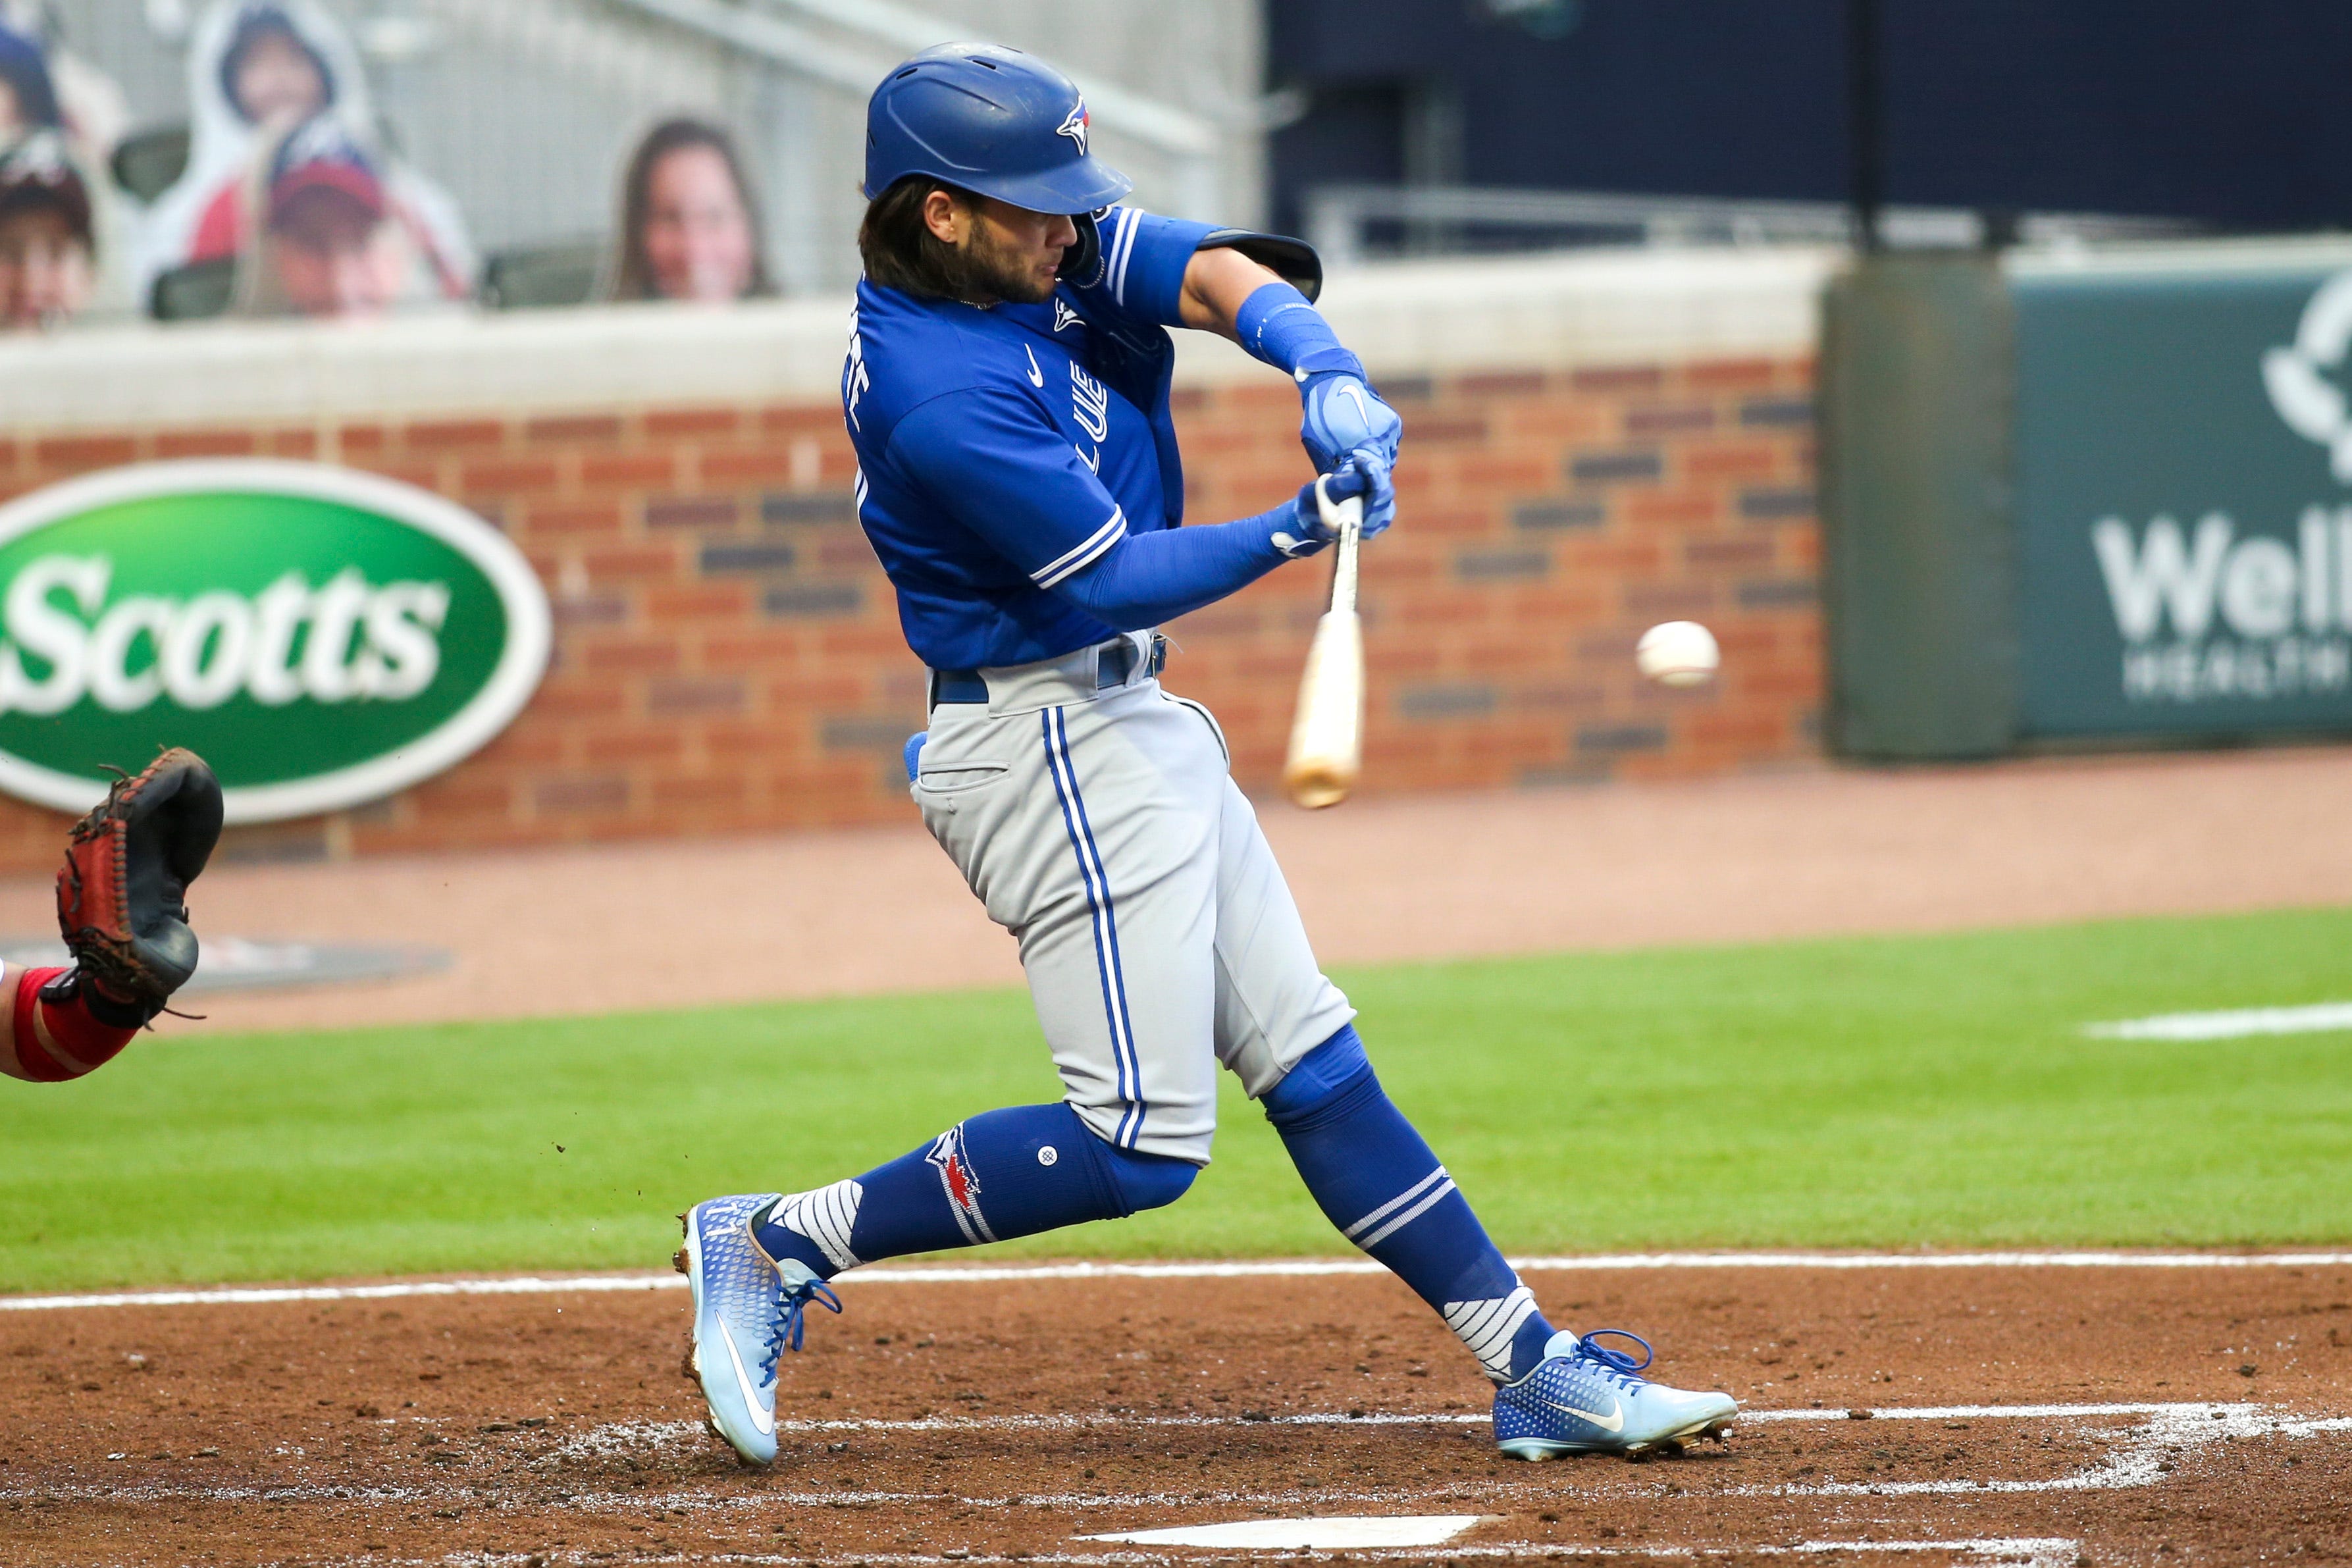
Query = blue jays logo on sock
x=961 y=1185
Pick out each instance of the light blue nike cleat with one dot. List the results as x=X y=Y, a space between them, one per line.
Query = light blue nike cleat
x=747 y=1309
x=1585 y=1398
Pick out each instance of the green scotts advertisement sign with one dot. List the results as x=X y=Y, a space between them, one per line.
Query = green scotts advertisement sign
x=322 y=637
x=2184 y=499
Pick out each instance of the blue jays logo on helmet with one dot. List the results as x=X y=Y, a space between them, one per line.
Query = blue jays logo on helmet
x=992 y=120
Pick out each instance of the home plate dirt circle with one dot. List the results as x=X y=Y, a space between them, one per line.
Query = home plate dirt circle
x=1983 y=1414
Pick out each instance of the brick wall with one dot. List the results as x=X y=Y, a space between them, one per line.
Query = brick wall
x=1544 y=522
x=727 y=654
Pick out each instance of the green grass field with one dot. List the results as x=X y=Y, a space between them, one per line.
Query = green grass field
x=1883 y=1092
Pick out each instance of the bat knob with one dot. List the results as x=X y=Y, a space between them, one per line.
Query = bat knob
x=1338 y=515
x=1315 y=788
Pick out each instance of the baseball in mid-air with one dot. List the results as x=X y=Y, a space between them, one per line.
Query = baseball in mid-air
x=1678 y=653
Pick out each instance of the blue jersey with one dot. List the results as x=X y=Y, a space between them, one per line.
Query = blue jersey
x=1002 y=449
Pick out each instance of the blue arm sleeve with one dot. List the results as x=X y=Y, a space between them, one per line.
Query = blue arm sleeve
x=1148 y=578
x=1277 y=325
x=996 y=465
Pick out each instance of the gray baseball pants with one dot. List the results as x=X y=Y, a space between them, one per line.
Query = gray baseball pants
x=1101 y=827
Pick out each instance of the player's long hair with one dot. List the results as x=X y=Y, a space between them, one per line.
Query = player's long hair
x=901 y=252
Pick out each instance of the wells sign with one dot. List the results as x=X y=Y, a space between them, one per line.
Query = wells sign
x=2184 y=499
x=322 y=637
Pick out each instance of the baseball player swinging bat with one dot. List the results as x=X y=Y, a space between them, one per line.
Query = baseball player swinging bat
x=1007 y=393
x=1327 y=734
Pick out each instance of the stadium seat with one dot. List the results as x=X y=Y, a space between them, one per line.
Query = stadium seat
x=194 y=292
x=146 y=162
x=537 y=276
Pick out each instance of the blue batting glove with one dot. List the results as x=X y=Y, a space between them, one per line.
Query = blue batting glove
x=1362 y=474
x=1344 y=415
x=1380 y=489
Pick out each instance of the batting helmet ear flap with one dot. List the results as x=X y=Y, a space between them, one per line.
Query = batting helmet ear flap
x=1082 y=259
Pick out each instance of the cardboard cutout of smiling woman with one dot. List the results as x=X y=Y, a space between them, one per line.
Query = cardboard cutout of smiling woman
x=257 y=70
x=689 y=221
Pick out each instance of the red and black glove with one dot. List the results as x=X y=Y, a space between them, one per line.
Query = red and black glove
x=122 y=909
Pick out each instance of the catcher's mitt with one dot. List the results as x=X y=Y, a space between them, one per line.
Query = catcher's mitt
x=122 y=893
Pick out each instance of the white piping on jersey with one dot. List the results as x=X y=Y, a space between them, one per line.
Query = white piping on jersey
x=1130 y=222
x=1111 y=234
x=1428 y=1190
x=1081 y=554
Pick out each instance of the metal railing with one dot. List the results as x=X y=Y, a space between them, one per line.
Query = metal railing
x=778 y=40
x=1439 y=219
x=906 y=29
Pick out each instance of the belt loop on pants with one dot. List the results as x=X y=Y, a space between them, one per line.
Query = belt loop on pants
x=1114 y=664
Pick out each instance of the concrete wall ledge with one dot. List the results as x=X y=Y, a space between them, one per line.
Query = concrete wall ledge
x=1554 y=311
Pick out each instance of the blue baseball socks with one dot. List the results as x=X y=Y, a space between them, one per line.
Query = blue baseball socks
x=1004 y=1173
x=1375 y=1178
x=1036 y=1168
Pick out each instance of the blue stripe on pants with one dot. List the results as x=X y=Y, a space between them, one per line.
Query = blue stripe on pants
x=1108 y=964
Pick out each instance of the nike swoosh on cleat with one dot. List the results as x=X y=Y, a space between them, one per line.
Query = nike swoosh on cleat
x=767 y=1427
x=1612 y=1422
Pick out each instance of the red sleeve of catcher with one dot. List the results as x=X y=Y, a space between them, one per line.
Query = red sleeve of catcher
x=51 y=1042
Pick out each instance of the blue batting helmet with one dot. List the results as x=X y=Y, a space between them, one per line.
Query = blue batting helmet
x=992 y=120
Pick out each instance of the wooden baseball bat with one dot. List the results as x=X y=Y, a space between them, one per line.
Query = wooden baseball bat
x=1327 y=733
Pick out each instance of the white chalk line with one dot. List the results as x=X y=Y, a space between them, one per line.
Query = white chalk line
x=2153 y=1447
x=1300 y=1268
x=625 y=1436
x=1320 y=1531
x=2166 y=1431
x=2236 y=1024
x=2018 y=1551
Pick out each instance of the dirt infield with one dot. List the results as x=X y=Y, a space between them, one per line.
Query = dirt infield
x=1749 y=858
x=2054 y=1416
